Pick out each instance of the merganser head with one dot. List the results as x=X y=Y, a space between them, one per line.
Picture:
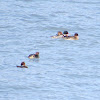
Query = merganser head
x=59 y=33
x=23 y=64
x=37 y=53
x=65 y=32
x=76 y=34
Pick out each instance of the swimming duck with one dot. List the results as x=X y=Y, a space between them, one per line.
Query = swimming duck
x=75 y=37
x=36 y=55
x=22 y=65
x=61 y=35
x=58 y=35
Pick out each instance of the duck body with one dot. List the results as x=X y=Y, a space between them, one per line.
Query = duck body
x=22 y=66
x=71 y=38
x=32 y=56
x=75 y=37
x=56 y=36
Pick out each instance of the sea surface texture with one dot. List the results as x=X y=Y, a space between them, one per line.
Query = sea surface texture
x=66 y=69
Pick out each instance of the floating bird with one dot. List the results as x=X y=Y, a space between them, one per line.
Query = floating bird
x=22 y=65
x=75 y=37
x=36 y=55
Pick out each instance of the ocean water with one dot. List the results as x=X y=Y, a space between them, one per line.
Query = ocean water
x=66 y=69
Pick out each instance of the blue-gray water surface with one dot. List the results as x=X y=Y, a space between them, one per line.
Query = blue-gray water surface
x=66 y=69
